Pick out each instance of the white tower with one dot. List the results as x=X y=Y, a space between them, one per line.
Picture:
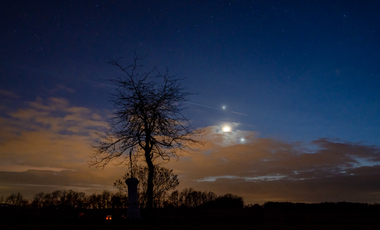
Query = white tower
x=133 y=208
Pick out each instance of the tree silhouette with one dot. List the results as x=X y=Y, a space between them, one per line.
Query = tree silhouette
x=163 y=180
x=192 y=198
x=227 y=201
x=174 y=199
x=119 y=200
x=16 y=199
x=38 y=200
x=147 y=122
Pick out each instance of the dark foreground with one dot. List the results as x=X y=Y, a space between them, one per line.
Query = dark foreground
x=177 y=218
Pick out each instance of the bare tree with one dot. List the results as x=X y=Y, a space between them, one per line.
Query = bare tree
x=38 y=200
x=119 y=200
x=16 y=199
x=148 y=120
x=189 y=197
x=164 y=180
x=174 y=198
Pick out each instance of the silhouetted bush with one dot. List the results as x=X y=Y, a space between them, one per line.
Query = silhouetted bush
x=226 y=201
x=254 y=207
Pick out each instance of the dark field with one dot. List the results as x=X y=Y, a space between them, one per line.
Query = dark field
x=189 y=218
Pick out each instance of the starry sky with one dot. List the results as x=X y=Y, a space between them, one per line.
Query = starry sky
x=298 y=81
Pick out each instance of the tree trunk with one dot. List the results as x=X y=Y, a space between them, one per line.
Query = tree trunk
x=149 y=191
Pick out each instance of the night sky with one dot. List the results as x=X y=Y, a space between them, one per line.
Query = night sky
x=296 y=81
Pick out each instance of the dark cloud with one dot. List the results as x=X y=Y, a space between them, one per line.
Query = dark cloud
x=62 y=88
x=9 y=94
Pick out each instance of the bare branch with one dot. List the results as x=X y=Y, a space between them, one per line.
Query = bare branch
x=148 y=118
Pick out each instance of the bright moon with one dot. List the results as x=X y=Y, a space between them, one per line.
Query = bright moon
x=226 y=128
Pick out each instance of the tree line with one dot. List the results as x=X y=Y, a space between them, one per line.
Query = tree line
x=164 y=180
x=187 y=198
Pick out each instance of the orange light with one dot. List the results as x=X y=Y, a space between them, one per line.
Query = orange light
x=108 y=217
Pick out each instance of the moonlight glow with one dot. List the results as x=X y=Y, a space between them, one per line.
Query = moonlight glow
x=226 y=128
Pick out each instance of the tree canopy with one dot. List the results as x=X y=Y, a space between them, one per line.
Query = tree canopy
x=147 y=122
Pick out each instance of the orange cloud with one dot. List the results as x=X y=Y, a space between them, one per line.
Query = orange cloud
x=46 y=146
x=49 y=133
x=263 y=169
